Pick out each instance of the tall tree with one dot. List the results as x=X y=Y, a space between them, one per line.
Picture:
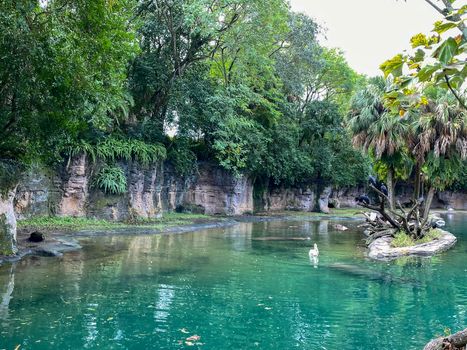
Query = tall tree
x=62 y=75
x=440 y=143
x=380 y=132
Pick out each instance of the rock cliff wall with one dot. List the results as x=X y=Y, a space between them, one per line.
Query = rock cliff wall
x=151 y=191
x=156 y=189
x=281 y=198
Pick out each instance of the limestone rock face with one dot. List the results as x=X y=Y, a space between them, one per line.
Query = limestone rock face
x=323 y=201
x=173 y=189
x=345 y=197
x=38 y=194
x=455 y=200
x=158 y=188
x=279 y=199
x=151 y=190
x=143 y=191
x=75 y=188
x=7 y=223
x=219 y=192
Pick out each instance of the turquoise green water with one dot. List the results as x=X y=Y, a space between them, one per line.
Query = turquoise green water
x=234 y=292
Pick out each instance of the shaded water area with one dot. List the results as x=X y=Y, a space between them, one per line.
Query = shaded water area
x=234 y=291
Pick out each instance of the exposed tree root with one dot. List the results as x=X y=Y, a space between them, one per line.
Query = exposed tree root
x=386 y=222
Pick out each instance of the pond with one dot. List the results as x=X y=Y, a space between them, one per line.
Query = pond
x=234 y=290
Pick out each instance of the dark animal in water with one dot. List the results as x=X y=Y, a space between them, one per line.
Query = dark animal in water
x=363 y=198
x=36 y=237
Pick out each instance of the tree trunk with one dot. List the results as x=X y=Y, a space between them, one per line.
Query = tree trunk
x=455 y=341
x=7 y=223
x=428 y=201
x=417 y=183
x=391 y=186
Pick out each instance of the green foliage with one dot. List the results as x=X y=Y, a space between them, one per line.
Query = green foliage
x=438 y=60
x=10 y=171
x=182 y=157
x=442 y=172
x=284 y=161
x=112 y=149
x=380 y=132
x=52 y=223
x=402 y=239
x=240 y=101
x=431 y=235
x=62 y=72
x=111 y=79
x=111 y=179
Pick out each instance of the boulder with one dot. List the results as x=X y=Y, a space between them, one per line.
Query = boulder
x=380 y=248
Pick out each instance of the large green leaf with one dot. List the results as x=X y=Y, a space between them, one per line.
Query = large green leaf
x=393 y=66
x=426 y=72
x=446 y=51
x=441 y=27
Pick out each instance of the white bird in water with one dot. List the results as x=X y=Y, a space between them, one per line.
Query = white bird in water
x=314 y=252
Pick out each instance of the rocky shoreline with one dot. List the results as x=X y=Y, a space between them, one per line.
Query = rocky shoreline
x=58 y=242
x=381 y=249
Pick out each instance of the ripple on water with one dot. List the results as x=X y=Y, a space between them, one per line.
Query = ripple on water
x=233 y=292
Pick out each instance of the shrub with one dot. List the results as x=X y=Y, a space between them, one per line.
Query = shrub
x=402 y=239
x=112 y=149
x=431 y=235
x=111 y=179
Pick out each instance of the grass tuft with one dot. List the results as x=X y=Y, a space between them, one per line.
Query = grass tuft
x=54 y=223
x=402 y=239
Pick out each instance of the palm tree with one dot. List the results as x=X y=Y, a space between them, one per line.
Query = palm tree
x=380 y=132
x=440 y=138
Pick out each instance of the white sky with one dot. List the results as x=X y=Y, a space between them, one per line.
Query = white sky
x=369 y=31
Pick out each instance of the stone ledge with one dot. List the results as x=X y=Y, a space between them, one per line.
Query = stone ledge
x=54 y=247
x=381 y=248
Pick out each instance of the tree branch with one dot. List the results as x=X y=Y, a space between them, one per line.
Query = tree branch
x=454 y=92
x=440 y=10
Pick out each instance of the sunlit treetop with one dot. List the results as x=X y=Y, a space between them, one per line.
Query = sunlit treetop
x=437 y=59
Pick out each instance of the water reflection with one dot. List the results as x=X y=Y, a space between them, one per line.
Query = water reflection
x=314 y=260
x=234 y=291
x=7 y=285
